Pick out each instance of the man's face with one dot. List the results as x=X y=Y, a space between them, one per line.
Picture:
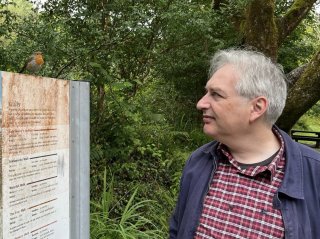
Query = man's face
x=225 y=112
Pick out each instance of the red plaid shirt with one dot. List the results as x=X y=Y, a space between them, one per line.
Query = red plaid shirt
x=239 y=201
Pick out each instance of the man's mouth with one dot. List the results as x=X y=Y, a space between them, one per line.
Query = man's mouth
x=207 y=118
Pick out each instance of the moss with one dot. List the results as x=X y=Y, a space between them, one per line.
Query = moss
x=293 y=17
x=297 y=8
x=303 y=95
x=260 y=29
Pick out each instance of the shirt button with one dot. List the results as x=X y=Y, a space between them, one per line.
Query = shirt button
x=263 y=211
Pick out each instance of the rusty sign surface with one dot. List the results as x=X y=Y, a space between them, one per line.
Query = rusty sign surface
x=34 y=157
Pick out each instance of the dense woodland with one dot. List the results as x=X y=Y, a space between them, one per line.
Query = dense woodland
x=147 y=63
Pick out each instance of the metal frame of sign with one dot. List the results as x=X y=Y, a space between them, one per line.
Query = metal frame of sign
x=79 y=160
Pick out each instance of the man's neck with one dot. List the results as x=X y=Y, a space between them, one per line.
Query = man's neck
x=255 y=146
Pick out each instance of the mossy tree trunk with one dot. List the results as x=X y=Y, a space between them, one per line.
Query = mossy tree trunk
x=265 y=31
x=260 y=28
x=302 y=95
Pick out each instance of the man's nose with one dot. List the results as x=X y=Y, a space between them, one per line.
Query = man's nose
x=203 y=103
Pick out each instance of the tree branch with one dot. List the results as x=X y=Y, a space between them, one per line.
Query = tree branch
x=295 y=74
x=295 y=14
x=302 y=95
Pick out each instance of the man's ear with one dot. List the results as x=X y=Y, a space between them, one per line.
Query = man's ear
x=258 y=108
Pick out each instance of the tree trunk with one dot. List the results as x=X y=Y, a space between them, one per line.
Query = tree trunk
x=303 y=95
x=260 y=28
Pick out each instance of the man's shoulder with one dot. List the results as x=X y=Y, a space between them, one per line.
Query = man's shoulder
x=203 y=153
x=206 y=148
x=310 y=153
x=295 y=149
x=200 y=162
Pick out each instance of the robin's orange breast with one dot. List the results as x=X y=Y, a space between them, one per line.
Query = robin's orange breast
x=39 y=60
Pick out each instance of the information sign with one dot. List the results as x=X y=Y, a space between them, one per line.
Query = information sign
x=35 y=131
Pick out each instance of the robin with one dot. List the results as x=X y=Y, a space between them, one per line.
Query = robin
x=34 y=63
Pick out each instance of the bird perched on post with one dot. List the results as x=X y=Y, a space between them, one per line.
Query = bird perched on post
x=34 y=63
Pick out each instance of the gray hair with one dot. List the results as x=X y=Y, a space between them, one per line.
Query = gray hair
x=258 y=76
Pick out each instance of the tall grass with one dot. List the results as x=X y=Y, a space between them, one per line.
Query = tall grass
x=131 y=224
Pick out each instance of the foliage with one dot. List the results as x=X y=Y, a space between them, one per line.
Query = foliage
x=310 y=120
x=301 y=44
x=139 y=137
x=12 y=16
x=131 y=224
x=193 y=33
x=314 y=111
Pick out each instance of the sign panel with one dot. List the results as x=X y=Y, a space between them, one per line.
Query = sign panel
x=34 y=157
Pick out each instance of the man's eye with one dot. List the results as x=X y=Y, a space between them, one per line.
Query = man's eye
x=215 y=94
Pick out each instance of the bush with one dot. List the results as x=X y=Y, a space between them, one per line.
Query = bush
x=130 y=224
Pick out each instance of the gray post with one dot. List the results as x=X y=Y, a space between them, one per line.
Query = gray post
x=79 y=160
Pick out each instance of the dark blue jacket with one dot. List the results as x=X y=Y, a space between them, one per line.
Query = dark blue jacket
x=298 y=197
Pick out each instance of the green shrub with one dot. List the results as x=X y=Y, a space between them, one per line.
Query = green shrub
x=130 y=224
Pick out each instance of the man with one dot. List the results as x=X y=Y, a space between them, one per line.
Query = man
x=253 y=181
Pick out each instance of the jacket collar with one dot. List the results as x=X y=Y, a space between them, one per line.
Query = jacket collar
x=292 y=184
x=210 y=148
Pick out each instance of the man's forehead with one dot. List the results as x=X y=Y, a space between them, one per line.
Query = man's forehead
x=212 y=86
x=219 y=83
x=224 y=75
